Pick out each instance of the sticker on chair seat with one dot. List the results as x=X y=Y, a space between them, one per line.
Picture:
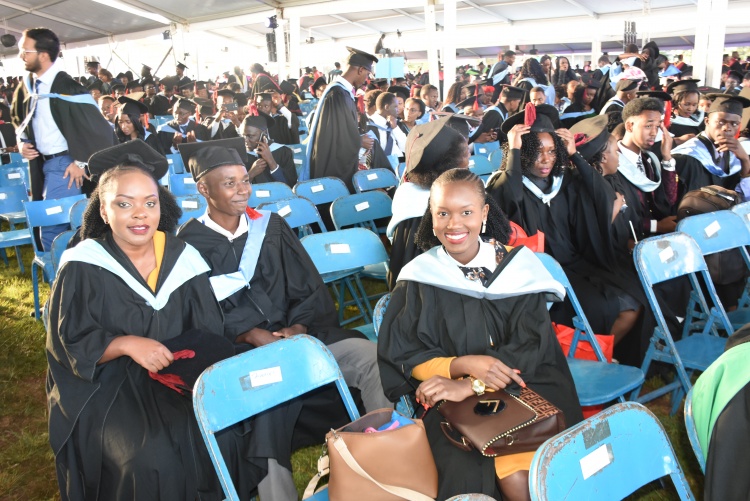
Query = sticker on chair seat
x=317 y=188
x=169 y=161
x=596 y=461
x=189 y=180
x=666 y=255
x=285 y=211
x=189 y=204
x=482 y=150
x=14 y=175
x=362 y=206
x=297 y=150
x=3 y=196
x=298 y=161
x=262 y=193
x=340 y=249
x=263 y=377
x=471 y=163
x=372 y=176
x=712 y=229
x=54 y=210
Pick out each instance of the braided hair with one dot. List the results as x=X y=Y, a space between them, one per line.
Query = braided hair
x=498 y=226
x=94 y=226
x=530 y=147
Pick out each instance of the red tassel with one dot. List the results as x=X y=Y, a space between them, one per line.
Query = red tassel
x=580 y=139
x=668 y=113
x=253 y=214
x=179 y=355
x=361 y=104
x=476 y=97
x=171 y=381
x=529 y=114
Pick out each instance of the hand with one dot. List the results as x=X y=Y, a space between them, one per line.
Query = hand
x=727 y=143
x=617 y=207
x=191 y=137
x=495 y=374
x=75 y=174
x=28 y=151
x=148 y=353
x=290 y=331
x=569 y=140
x=515 y=134
x=177 y=139
x=666 y=143
x=264 y=152
x=393 y=122
x=439 y=388
x=666 y=225
x=232 y=115
x=256 y=337
x=366 y=141
x=257 y=168
x=485 y=137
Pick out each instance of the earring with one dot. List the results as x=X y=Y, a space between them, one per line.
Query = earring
x=484 y=226
x=433 y=232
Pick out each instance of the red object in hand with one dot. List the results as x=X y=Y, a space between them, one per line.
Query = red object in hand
x=529 y=114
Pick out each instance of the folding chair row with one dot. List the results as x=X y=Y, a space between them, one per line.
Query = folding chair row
x=298 y=212
x=12 y=199
x=263 y=193
x=486 y=149
x=374 y=179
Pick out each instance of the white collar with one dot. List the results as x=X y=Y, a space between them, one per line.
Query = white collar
x=49 y=76
x=378 y=119
x=343 y=81
x=486 y=257
x=210 y=223
x=628 y=153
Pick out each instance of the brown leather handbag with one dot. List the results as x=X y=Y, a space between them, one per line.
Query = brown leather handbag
x=382 y=466
x=499 y=423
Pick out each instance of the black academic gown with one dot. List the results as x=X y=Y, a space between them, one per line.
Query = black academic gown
x=680 y=129
x=165 y=138
x=336 y=143
x=8 y=133
x=284 y=158
x=416 y=329
x=115 y=433
x=692 y=175
x=575 y=108
x=492 y=120
x=83 y=126
x=158 y=105
x=281 y=132
x=219 y=130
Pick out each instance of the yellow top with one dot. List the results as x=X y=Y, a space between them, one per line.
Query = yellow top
x=160 y=239
x=439 y=366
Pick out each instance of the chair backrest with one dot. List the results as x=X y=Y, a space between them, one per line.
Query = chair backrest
x=192 y=206
x=373 y=179
x=12 y=198
x=76 y=213
x=344 y=249
x=665 y=257
x=322 y=190
x=16 y=158
x=252 y=382
x=716 y=231
x=480 y=165
x=361 y=209
x=299 y=156
x=296 y=211
x=176 y=165
x=486 y=149
x=40 y=213
x=496 y=159
x=743 y=210
x=59 y=244
x=268 y=192
x=379 y=311
x=607 y=456
x=692 y=432
x=182 y=184
x=11 y=175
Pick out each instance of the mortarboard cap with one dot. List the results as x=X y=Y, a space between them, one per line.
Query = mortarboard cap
x=469 y=101
x=380 y=81
x=690 y=84
x=202 y=157
x=541 y=118
x=188 y=85
x=145 y=68
x=263 y=96
x=704 y=89
x=225 y=92
x=591 y=135
x=92 y=64
x=318 y=83
x=96 y=85
x=625 y=85
x=462 y=123
x=131 y=106
x=662 y=96
x=240 y=99
x=116 y=87
x=728 y=103
x=427 y=143
x=186 y=104
x=200 y=84
x=182 y=66
x=134 y=85
x=400 y=91
x=361 y=59
x=266 y=84
x=286 y=87
x=135 y=152
x=147 y=81
x=513 y=93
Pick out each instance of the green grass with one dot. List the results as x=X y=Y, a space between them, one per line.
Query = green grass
x=26 y=462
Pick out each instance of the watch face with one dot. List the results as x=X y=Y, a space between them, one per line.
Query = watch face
x=478 y=386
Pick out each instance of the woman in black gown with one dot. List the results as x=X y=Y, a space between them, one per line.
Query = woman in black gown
x=129 y=125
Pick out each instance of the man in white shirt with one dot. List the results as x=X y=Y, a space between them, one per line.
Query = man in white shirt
x=384 y=124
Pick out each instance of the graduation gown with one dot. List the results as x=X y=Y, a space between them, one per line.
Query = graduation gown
x=409 y=205
x=493 y=118
x=679 y=126
x=692 y=170
x=502 y=321
x=336 y=142
x=83 y=126
x=165 y=136
x=281 y=132
x=115 y=433
x=158 y=105
x=574 y=114
x=8 y=136
x=284 y=158
x=220 y=129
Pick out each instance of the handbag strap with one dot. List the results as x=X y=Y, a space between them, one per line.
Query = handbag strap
x=352 y=463
x=323 y=470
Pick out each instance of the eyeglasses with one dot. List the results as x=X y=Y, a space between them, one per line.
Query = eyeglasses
x=22 y=52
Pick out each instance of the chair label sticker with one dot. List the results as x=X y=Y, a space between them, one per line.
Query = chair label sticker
x=372 y=176
x=54 y=210
x=482 y=150
x=265 y=376
x=189 y=204
x=14 y=175
x=262 y=193
x=712 y=229
x=471 y=163
x=189 y=180
x=169 y=161
x=317 y=188
x=297 y=150
x=666 y=255
x=3 y=196
x=596 y=461
x=298 y=161
x=340 y=249
x=285 y=211
x=362 y=206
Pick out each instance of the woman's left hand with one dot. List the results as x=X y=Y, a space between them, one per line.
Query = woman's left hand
x=569 y=140
x=439 y=388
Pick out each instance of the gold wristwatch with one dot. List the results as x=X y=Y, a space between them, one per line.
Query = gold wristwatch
x=478 y=386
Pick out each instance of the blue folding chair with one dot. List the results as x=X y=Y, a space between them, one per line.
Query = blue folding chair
x=496 y=159
x=339 y=257
x=716 y=232
x=300 y=156
x=43 y=213
x=322 y=190
x=373 y=179
x=59 y=244
x=192 y=206
x=182 y=184
x=16 y=158
x=11 y=204
x=486 y=149
x=298 y=212
x=263 y=193
x=481 y=166
x=692 y=432
x=176 y=165
x=76 y=213
x=657 y=260
x=361 y=210
x=596 y=382
x=608 y=456
x=11 y=175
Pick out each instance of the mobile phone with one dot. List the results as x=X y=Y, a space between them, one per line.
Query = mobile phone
x=230 y=107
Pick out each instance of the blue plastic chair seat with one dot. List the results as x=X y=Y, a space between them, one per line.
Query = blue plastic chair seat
x=598 y=382
x=700 y=350
x=338 y=275
x=15 y=237
x=738 y=318
x=376 y=271
x=14 y=218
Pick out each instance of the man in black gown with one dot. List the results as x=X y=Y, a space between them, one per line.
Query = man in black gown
x=266 y=163
x=507 y=104
x=182 y=128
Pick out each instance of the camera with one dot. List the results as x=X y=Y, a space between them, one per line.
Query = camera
x=230 y=107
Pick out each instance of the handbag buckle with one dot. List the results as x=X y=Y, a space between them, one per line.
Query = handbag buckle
x=509 y=439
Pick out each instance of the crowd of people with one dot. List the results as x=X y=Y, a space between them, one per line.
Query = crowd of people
x=594 y=161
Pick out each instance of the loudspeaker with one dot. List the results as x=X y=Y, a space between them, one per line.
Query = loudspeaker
x=8 y=40
x=271 y=45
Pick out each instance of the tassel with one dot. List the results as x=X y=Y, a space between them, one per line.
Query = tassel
x=667 y=114
x=476 y=97
x=171 y=381
x=580 y=139
x=253 y=214
x=529 y=114
x=361 y=104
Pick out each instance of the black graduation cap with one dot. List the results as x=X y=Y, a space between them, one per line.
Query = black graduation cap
x=262 y=121
x=591 y=135
x=541 y=118
x=131 y=106
x=427 y=143
x=625 y=85
x=662 y=96
x=168 y=82
x=96 y=85
x=594 y=84
x=134 y=85
x=206 y=105
x=92 y=64
x=186 y=104
x=736 y=75
x=135 y=152
x=286 y=87
x=182 y=66
x=361 y=59
x=263 y=96
x=318 y=83
x=266 y=84
x=380 y=81
x=188 y=85
x=462 y=123
x=469 y=101
x=704 y=89
x=470 y=86
x=200 y=84
x=145 y=67
x=513 y=93
x=194 y=351
x=240 y=99
x=147 y=81
x=678 y=86
x=201 y=157
x=728 y=103
x=116 y=87
x=225 y=92
x=400 y=91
